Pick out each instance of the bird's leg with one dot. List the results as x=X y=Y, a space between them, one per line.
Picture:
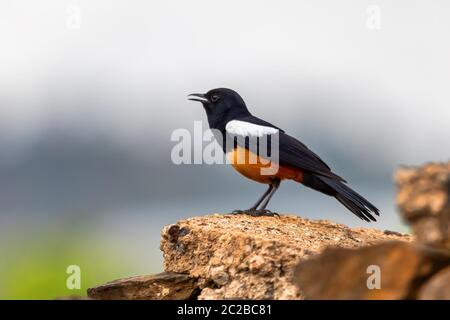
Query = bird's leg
x=253 y=208
x=275 y=185
x=253 y=211
x=265 y=194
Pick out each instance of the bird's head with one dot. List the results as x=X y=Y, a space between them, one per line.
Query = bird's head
x=221 y=105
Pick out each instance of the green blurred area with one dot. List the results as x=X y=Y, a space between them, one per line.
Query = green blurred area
x=33 y=265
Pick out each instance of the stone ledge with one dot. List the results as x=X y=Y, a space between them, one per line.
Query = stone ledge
x=162 y=286
x=243 y=257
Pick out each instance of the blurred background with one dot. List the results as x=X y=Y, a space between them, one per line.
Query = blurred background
x=90 y=92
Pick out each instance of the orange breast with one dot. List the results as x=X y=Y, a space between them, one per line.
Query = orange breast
x=251 y=166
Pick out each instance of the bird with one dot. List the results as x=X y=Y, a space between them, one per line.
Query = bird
x=227 y=114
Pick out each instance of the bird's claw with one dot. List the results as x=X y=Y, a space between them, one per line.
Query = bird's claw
x=256 y=213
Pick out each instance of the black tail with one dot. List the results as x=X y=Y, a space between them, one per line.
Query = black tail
x=344 y=194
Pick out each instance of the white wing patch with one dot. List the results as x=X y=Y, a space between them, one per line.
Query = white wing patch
x=247 y=129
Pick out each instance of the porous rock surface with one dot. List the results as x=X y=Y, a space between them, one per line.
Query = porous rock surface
x=162 y=286
x=423 y=198
x=244 y=257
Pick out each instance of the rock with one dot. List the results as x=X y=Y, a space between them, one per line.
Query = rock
x=244 y=257
x=436 y=288
x=390 y=270
x=162 y=286
x=424 y=199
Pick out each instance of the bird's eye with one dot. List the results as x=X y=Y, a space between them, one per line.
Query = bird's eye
x=214 y=98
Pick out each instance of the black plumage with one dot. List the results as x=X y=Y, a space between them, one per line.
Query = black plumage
x=224 y=105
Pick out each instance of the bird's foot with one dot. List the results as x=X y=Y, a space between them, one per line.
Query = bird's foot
x=256 y=213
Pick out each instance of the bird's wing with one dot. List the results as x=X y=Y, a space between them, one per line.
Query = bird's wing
x=291 y=151
x=294 y=153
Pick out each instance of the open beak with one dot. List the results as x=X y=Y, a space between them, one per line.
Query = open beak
x=198 y=97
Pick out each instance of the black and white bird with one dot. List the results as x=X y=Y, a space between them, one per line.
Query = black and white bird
x=228 y=113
